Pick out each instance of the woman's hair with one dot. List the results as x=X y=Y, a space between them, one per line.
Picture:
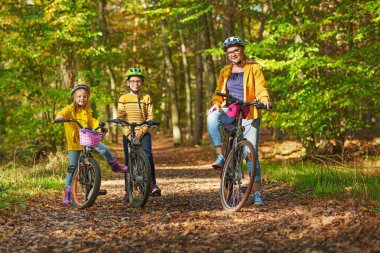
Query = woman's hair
x=76 y=106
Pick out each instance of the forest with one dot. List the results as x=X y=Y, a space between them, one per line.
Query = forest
x=319 y=145
x=320 y=60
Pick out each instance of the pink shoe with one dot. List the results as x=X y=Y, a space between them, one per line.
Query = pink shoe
x=116 y=167
x=67 y=196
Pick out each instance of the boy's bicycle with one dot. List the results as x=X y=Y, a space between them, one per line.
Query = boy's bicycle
x=85 y=181
x=239 y=170
x=138 y=178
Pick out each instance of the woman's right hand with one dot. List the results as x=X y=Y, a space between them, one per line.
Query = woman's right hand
x=213 y=108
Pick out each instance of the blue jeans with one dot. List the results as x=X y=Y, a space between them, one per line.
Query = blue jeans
x=146 y=144
x=217 y=119
x=74 y=156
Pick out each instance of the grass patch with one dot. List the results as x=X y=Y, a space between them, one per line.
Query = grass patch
x=18 y=183
x=323 y=181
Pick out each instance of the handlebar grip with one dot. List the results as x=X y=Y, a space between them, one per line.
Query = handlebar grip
x=61 y=120
x=259 y=105
x=222 y=94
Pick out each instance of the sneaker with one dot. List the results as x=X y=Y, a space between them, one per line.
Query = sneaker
x=116 y=167
x=258 y=199
x=67 y=200
x=126 y=198
x=219 y=162
x=155 y=190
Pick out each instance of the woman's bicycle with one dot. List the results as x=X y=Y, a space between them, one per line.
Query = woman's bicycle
x=239 y=170
x=85 y=181
x=138 y=178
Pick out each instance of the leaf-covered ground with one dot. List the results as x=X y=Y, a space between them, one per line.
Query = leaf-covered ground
x=188 y=217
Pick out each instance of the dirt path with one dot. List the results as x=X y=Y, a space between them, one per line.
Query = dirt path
x=189 y=218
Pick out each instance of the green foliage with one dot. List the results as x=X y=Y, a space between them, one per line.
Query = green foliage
x=321 y=72
x=320 y=60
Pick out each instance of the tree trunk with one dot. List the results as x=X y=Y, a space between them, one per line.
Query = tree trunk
x=213 y=44
x=199 y=89
x=68 y=68
x=228 y=22
x=177 y=135
x=189 y=110
x=209 y=64
x=112 y=108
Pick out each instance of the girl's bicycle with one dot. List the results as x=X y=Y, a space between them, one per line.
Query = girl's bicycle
x=138 y=177
x=239 y=170
x=85 y=182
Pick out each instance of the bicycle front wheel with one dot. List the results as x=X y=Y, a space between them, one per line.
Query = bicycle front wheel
x=238 y=176
x=85 y=184
x=139 y=178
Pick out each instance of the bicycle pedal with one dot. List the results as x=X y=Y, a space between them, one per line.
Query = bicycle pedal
x=216 y=167
x=102 y=192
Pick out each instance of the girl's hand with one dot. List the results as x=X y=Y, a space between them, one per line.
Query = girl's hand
x=213 y=108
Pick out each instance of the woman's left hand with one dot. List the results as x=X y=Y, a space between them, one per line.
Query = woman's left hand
x=268 y=105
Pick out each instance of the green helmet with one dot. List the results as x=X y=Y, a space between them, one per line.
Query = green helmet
x=134 y=72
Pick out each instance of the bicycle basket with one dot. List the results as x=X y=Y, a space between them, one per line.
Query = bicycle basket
x=89 y=137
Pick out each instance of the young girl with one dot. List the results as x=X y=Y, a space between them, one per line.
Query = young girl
x=80 y=110
x=137 y=107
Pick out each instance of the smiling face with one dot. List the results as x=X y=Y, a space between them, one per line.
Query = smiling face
x=81 y=97
x=235 y=54
x=135 y=83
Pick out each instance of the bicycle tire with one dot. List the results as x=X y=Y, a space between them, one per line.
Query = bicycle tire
x=236 y=183
x=85 y=184
x=139 y=178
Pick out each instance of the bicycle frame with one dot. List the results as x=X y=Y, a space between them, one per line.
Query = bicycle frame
x=86 y=176
x=138 y=177
x=235 y=134
x=237 y=177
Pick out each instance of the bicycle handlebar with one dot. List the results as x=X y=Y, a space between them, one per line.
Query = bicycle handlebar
x=101 y=124
x=68 y=120
x=120 y=122
x=236 y=100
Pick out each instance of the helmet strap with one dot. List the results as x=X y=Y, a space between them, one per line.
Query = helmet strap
x=137 y=93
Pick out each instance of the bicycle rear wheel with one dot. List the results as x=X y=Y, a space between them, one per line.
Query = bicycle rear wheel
x=139 y=178
x=238 y=176
x=85 y=184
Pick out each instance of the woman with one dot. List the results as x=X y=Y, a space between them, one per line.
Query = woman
x=243 y=79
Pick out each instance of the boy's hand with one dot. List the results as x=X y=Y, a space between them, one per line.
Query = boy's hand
x=139 y=135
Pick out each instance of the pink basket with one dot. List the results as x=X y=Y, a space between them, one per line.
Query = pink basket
x=89 y=137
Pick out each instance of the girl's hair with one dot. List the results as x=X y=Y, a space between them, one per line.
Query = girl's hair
x=87 y=107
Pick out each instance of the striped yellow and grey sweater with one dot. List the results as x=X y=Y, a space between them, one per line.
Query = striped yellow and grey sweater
x=128 y=109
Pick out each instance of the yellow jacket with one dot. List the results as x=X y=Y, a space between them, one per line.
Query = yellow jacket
x=255 y=87
x=84 y=117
